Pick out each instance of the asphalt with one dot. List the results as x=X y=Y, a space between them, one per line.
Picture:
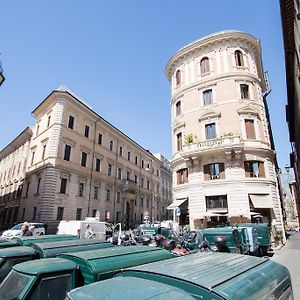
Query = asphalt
x=289 y=256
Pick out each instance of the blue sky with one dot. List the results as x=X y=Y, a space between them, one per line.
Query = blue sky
x=112 y=54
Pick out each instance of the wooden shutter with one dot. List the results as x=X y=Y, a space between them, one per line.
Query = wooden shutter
x=247 y=168
x=250 y=131
x=261 y=169
x=206 y=172
x=185 y=176
x=222 y=170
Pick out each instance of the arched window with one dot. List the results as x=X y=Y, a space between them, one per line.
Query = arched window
x=204 y=65
x=238 y=55
x=178 y=77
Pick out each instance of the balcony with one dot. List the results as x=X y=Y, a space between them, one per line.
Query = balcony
x=213 y=145
x=129 y=186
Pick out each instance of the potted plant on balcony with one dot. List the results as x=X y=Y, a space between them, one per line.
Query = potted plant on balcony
x=189 y=138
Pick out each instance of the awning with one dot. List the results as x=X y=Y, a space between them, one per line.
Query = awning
x=176 y=203
x=261 y=200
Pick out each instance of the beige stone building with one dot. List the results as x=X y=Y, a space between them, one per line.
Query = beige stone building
x=223 y=162
x=74 y=163
x=290 y=16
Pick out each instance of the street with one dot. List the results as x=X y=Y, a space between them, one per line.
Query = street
x=289 y=256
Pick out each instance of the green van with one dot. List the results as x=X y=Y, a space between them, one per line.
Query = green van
x=216 y=276
x=14 y=255
x=128 y=288
x=27 y=240
x=51 y=278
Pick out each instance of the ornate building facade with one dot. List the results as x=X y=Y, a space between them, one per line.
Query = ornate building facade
x=223 y=162
x=72 y=164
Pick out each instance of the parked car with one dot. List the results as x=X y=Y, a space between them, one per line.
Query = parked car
x=52 y=278
x=16 y=231
x=216 y=276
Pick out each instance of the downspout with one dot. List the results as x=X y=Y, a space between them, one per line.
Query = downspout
x=115 y=182
x=92 y=166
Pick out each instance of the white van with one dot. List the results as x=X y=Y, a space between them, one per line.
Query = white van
x=79 y=228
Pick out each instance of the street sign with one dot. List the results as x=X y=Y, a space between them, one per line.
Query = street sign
x=178 y=212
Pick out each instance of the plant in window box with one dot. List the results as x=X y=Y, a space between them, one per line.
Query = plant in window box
x=228 y=134
x=189 y=139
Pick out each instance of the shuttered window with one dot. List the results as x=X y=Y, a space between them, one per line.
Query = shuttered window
x=182 y=176
x=238 y=58
x=207 y=97
x=214 y=171
x=178 y=108
x=210 y=131
x=178 y=77
x=254 y=169
x=179 y=141
x=244 y=91
x=250 y=130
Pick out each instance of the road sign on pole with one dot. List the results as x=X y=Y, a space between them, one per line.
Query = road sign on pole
x=178 y=211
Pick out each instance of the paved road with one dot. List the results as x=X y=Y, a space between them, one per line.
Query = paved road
x=289 y=256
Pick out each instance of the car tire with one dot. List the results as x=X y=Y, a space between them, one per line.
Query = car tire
x=41 y=233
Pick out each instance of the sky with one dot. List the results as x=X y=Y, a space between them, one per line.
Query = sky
x=112 y=54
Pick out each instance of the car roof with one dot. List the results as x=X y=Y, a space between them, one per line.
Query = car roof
x=16 y=251
x=47 y=265
x=222 y=273
x=131 y=287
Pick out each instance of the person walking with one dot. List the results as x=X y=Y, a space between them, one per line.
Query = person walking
x=26 y=231
x=89 y=232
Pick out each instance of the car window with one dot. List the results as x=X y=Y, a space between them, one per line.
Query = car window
x=17 y=227
x=7 y=265
x=13 y=285
x=52 y=288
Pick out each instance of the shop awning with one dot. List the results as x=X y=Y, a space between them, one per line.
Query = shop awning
x=261 y=200
x=176 y=203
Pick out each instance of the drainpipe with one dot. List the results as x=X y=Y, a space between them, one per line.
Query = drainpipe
x=92 y=167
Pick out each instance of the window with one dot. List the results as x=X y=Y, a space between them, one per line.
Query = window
x=178 y=77
x=250 y=130
x=238 y=55
x=49 y=288
x=37 y=129
x=49 y=120
x=128 y=155
x=63 y=185
x=136 y=160
x=178 y=108
x=135 y=178
x=86 y=131
x=214 y=171
x=98 y=164
x=111 y=145
x=107 y=195
x=78 y=213
x=34 y=213
x=148 y=184
x=100 y=139
x=109 y=169
x=244 y=91
x=118 y=197
x=182 y=176
x=38 y=186
x=179 y=141
x=121 y=151
x=71 y=122
x=27 y=189
x=142 y=202
x=60 y=213
x=128 y=175
x=96 y=188
x=94 y=213
x=210 y=131
x=32 y=157
x=207 y=97
x=216 y=202
x=119 y=173
x=142 y=182
x=204 y=65
x=67 y=154
x=83 y=159
x=81 y=189
x=142 y=164
x=254 y=169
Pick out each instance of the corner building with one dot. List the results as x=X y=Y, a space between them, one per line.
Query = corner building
x=72 y=164
x=223 y=162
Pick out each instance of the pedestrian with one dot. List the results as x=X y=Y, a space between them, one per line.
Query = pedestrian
x=89 y=232
x=26 y=231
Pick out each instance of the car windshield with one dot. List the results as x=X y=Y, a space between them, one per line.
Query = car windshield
x=17 y=227
x=13 y=285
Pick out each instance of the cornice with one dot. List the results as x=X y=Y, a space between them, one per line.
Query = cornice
x=218 y=37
